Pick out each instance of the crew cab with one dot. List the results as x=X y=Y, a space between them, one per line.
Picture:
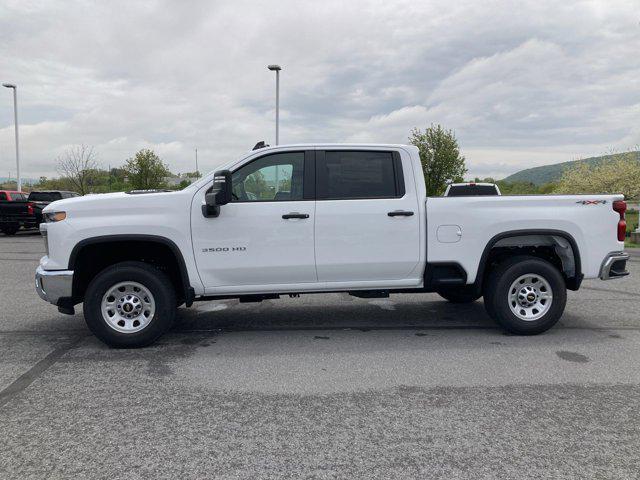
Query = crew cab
x=26 y=211
x=304 y=219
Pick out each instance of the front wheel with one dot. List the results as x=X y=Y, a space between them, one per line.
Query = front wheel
x=129 y=305
x=525 y=295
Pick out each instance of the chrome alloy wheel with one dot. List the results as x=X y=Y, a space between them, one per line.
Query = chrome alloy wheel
x=530 y=297
x=128 y=307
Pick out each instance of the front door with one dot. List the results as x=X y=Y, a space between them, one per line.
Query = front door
x=265 y=236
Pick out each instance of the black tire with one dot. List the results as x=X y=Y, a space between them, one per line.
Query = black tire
x=496 y=294
x=460 y=295
x=152 y=279
x=10 y=229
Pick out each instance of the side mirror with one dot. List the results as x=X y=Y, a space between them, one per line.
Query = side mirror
x=219 y=195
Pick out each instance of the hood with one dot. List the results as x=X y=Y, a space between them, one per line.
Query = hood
x=119 y=201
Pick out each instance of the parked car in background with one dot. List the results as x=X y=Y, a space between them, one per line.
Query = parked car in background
x=298 y=219
x=27 y=212
x=12 y=196
x=471 y=189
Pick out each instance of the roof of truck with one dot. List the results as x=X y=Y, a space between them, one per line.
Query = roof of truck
x=336 y=145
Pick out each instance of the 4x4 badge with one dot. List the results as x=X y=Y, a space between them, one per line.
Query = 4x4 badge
x=592 y=202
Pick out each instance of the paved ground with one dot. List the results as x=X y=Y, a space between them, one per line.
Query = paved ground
x=324 y=386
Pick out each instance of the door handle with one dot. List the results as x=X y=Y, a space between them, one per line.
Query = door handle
x=287 y=216
x=400 y=213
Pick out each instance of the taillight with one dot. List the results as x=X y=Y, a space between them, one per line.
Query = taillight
x=30 y=208
x=620 y=206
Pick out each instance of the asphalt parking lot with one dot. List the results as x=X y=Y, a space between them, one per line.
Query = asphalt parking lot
x=322 y=386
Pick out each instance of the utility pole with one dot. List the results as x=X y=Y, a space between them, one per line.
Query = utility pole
x=277 y=68
x=15 y=121
x=196 y=160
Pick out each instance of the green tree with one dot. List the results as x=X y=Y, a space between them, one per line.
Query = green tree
x=257 y=185
x=146 y=170
x=440 y=157
x=616 y=176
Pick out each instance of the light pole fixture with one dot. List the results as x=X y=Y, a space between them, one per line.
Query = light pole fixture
x=15 y=120
x=277 y=68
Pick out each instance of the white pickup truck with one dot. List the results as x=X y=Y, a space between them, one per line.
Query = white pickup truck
x=321 y=218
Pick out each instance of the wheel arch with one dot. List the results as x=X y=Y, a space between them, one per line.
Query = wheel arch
x=573 y=279
x=179 y=272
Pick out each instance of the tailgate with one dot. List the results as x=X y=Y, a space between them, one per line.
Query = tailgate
x=13 y=210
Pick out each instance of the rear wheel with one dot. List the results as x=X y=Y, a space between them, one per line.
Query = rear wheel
x=525 y=295
x=129 y=304
x=460 y=295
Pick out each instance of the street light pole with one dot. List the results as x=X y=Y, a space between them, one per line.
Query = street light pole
x=15 y=120
x=277 y=68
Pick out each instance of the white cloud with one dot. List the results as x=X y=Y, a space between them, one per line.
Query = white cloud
x=521 y=83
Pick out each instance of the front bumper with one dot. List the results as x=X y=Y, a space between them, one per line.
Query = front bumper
x=52 y=285
x=614 y=266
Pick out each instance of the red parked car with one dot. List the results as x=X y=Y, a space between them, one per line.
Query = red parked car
x=12 y=196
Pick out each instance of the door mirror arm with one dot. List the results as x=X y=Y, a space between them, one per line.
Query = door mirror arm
x=219 y=195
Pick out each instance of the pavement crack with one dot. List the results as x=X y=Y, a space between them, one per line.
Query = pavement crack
x=27 y=378
x=623 y=292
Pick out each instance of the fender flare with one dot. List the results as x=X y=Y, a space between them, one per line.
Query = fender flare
x=189 y=293
x=573 y=283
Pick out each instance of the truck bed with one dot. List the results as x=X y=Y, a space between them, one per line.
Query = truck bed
x=587 y=220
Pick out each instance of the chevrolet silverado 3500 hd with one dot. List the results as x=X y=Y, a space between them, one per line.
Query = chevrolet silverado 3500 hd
x=321 y=218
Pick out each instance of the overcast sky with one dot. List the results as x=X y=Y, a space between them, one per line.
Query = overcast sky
x=521 y=83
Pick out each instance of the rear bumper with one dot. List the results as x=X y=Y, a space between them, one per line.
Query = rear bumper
x=614 y=266
x=53 y=285
x=25 y=221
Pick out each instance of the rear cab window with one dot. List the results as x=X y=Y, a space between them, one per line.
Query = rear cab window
x=471 y=190
x=44 y=196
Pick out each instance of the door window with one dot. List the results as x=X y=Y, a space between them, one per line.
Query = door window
x=272 y=178
x=357 y=174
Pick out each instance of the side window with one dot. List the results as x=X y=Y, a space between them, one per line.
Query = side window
x=272 y=178
x=358 y=174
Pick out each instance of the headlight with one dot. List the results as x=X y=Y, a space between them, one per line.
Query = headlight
x=51 y=217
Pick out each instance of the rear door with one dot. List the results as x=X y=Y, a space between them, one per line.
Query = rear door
x=367 y=224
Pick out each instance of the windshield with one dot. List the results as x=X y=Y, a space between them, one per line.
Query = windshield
x=44 y=196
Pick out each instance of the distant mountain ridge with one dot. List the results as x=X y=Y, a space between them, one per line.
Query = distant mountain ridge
x=24 y=180
x=552 y=173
